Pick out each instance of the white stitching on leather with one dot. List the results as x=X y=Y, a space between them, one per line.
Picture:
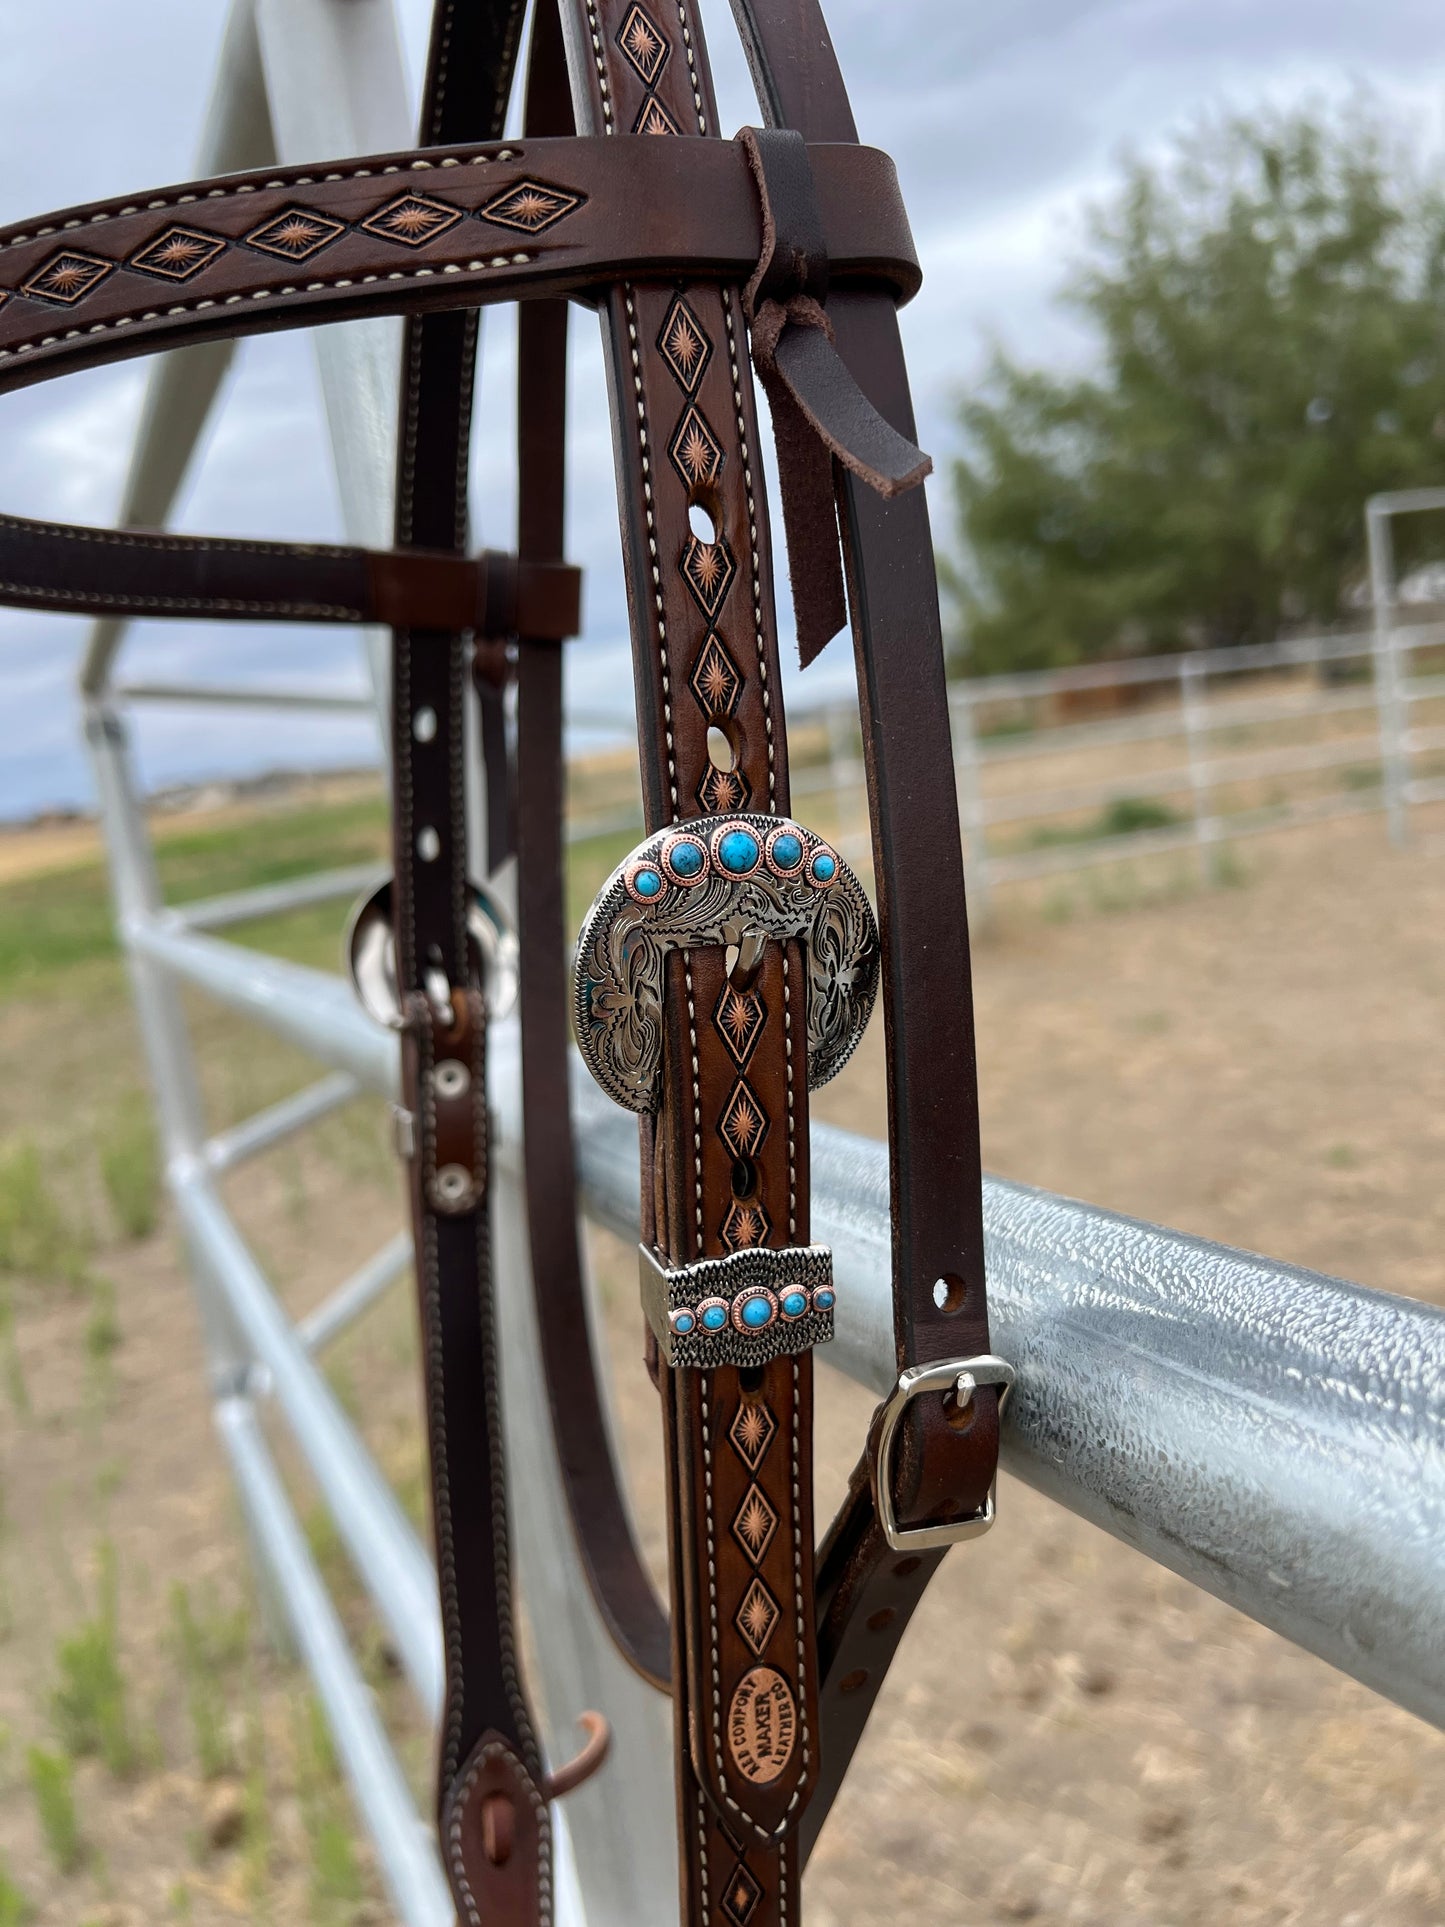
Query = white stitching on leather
x=696 y=1100
x=728 y=298
x=634 y=348
x=692 y=69
x=278 y=183
x=260 y=294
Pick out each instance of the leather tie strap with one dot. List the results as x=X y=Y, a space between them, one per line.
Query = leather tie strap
x=819 y=412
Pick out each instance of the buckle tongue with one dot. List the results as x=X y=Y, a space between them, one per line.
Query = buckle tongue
x=963 y=1375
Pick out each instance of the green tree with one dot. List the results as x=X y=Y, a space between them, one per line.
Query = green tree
x=1267 y=305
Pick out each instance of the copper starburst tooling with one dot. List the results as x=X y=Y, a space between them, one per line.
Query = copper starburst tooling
x=756 y=1523
x=412 y=218
x=531 y=207
x=709 y=568
x=752 y=1429
x=296 y=234
x=697 y=454
x=641 y=41
x=683 y=342
x=737 y=1017
x=714 y=681
x=178 y=251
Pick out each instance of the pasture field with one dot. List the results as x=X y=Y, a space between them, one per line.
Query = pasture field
x=1070 y=1736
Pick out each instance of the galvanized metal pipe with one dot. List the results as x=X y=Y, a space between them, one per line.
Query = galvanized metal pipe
x=405 y=1844
x=378 y=1537
x=361 y=1290
x=1276 y=1436
x=279 y=1121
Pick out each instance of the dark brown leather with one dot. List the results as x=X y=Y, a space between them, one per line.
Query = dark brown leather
x=297 y=247
x=937 y=1215
x=149 y=572
x=491 y=1786
x=600 y=1519
x=819 y=412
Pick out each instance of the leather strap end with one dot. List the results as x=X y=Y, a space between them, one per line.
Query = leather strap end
x=496 y=1836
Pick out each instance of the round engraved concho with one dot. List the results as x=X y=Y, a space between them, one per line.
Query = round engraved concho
x=718 y=881
x=762 y=1725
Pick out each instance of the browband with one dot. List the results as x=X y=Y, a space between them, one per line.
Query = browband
x=730 y=963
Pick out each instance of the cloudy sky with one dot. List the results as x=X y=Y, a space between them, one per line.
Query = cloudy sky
x=1004 y=121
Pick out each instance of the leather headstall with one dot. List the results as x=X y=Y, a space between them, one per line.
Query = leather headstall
x=731 y=962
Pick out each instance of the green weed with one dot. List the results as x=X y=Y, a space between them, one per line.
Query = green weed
x=90 y=1702
x=130 y=1169
x=52 y=1781
x=35 y=1239
x=208 y=1644
x=335 y=1883
x=15 y=1909
x=102 y=1328
x=257 y=1836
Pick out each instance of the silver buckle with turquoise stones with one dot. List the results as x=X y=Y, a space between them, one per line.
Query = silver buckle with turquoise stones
x=744 y=1309
x=962 y=1376
x=729 y=881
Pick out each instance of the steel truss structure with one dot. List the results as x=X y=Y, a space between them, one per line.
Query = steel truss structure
x=1275 y=1436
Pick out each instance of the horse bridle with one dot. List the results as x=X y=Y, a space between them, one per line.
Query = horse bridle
x=731 y=962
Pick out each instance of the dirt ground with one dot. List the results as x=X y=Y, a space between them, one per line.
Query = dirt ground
x=1070 y=1735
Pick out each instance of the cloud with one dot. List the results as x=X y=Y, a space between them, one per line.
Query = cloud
x=1004 y=122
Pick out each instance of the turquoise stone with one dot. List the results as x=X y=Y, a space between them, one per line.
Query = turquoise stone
x=795 y=1303
x=683 y=1321
x=822 y=1300
x=787 y=851
x=714 y=1318
x=756 y=1313
x=825 y=867
x=738 y=852
x=648 y=883
x=687 y=859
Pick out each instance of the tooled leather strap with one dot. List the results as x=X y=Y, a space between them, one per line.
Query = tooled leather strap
x=943 y=1468
x=725 y=1159
x=492 y=1815
x=444 y=228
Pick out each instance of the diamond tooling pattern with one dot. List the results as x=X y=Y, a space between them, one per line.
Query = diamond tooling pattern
x=177 y=254
x=413 y=220
x=695 y=452
x=716 y=680
x=739 y=1016
x=709 y=569
x=66 y=277
x=295 y=235
x=741 y=1899
x=752 y=1432
x=755 y=1524
x=757 y=1616
x=642 y=40
x=530 y=206
x=684 y=346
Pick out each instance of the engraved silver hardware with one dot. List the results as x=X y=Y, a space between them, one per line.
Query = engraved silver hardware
x=679 y=1299
x=371 y=957
x=451 y=1078
x=962 y=1376
x=720 y=880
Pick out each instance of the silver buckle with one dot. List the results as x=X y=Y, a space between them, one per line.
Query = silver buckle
x=985 y=1369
